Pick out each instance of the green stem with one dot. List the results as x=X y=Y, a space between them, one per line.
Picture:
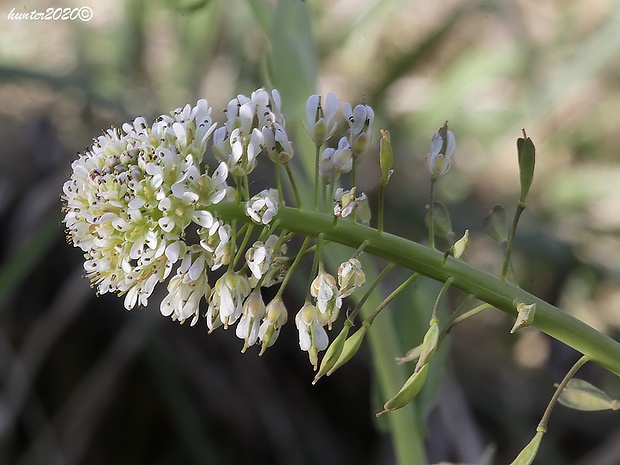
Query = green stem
x=317 y=181
x=511 y=237
x=542 y=426
x=291 y=179
x=279 y=183
x=431 y=220
x=370 y=319
x=380 y=209
x=598 y=347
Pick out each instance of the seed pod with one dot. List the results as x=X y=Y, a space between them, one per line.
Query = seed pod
x=429 y=344
x=581 y=395
x=496 y=225
x=333 y=352
x=527 y=155
x=386 y=157
x=410 y=389
x=351 y=346
x=528 y=454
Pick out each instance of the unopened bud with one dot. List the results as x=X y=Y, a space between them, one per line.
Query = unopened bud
x=386 y=157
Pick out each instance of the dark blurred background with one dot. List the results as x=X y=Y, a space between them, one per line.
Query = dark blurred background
x=85 y=382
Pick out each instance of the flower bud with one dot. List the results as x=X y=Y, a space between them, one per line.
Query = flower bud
x=360 y=121
x=442 y=148
x=275 y=317
x=386 y=157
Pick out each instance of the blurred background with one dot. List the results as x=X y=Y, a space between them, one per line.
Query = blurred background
x=82 y=381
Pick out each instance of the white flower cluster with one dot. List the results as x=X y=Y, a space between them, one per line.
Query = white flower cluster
x=140 y=203
x=137 y=203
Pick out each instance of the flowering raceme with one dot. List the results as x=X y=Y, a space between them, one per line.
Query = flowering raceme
x=141 y=203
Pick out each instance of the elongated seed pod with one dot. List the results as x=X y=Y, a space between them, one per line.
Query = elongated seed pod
x=351 y=346
x=410 y=389
x=333 y=352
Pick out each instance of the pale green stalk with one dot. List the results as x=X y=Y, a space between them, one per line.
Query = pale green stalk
x=427 y=261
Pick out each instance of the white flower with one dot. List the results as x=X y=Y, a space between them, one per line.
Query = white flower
x=335 y=162
x=319 y=122
x=215 y=239
x=345 y=201
x=253 y=311
x=442 y=148
x=227 y=297
x=276 y=316
x=279 y=148
x=360 y=121
x=312 y=335
x=350 y=277
x=263 y=206
x=325 y=291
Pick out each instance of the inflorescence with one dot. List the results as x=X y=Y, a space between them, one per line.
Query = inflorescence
x=140 y=200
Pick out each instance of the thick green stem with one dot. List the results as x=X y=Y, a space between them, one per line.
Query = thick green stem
x=596 y=346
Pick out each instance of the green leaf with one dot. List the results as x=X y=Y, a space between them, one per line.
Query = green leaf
x=581 y=395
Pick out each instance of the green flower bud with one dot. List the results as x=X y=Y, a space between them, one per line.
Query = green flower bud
x=581 y=395
x=351 y=346
x=527 y=155
x=496 y=225
x=410 y=389
x=333 y=352
x=386 y=157
x=528 y=454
